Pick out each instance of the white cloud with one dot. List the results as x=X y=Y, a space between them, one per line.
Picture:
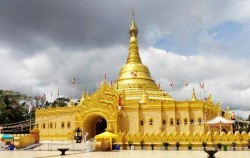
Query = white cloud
x=218 y=75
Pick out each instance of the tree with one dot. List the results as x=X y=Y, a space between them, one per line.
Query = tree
x=61 y=102
x=13 y=107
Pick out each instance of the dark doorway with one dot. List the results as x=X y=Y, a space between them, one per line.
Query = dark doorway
x=101 y=125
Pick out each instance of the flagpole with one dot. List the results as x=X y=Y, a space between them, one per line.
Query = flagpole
x=186 y=85
x=51 y=98
x=200 y=90
x=30 y=120
x=30 y=113
x=186 y=92
x=73 y=88
x=58 y=99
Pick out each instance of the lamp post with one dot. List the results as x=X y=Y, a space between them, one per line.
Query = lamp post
x=78 y=135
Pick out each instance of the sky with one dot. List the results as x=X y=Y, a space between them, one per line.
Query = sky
x=45 y=44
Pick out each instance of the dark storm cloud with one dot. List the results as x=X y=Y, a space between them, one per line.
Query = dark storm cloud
x=47 y=43
x=30 y=26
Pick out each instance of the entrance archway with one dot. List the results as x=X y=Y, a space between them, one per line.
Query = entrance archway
x=94 y=124
x=100 y=126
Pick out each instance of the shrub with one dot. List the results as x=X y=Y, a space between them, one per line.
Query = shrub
x=190 y=146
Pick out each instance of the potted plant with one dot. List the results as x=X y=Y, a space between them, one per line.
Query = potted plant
x=219 y=145
x=165 y=145
x=130 y=143
x=152 y=146
x=190 y=146
x=204 y=144
x=177 y=144
x=142 y=143
x=234 y=145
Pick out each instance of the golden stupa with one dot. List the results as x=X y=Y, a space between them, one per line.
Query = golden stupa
x=134 y=108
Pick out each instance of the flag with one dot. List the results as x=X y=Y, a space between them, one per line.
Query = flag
x=186 y=83
x=43 y=99
x=233 y=116
x=73 y=82
x=202 y=86
x=30 y=108
x=134 y=73
x=159 y=85
x=172 y=84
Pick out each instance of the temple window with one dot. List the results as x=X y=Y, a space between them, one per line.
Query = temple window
x=185 y=121
x=171 y=122
x=51 y=125
x=199 y=121
x=164 y=122
x=55 y=124
x=151 y=122
x=68 y=124
x=62 y=125
x=177 y=122
x=44 y=125
x=191 y=121
x=141 y=122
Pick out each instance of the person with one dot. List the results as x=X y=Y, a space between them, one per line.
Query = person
x=11 y=146
x=85 y=137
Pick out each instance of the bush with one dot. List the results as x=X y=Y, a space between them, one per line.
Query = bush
x=190 y=146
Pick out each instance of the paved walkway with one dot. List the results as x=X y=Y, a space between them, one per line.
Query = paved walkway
x=123 y=154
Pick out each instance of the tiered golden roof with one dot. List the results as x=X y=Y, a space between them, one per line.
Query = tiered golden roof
x=134 y=77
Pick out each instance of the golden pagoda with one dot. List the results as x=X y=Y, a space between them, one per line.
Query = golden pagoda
x=134 y=105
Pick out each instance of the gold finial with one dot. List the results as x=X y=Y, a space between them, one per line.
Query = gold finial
x=210 y=97
x=194 y=96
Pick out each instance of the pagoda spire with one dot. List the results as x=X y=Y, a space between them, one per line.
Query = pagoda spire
x=133 y=57
x=134 y=73
x=194 y=95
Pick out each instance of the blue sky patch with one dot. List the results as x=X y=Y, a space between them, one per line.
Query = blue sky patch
x=227 y=31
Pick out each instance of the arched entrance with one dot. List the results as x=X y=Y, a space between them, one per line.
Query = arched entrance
x=94 y=124
x=100 y=126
